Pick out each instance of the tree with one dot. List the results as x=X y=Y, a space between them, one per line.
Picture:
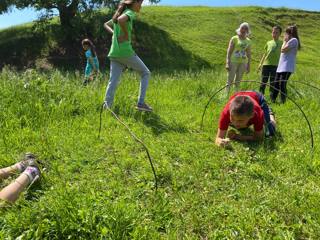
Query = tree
x=67 y=9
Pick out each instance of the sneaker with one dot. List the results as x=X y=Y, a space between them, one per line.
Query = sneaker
x=33 y=173
x=144 y=107
x=29 y=159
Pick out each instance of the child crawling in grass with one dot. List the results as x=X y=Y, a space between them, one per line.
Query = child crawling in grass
x=243 y=110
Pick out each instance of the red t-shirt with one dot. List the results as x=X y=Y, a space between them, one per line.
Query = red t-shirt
x=257 y=120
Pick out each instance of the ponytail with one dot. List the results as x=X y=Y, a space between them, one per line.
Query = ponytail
x=121 y=7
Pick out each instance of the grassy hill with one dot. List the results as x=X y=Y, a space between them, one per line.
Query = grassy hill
x=103 y=188
x=167 y=38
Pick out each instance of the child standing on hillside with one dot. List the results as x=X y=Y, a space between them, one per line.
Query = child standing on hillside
x=238 y=56
x=287 y=62
x=242 y=110
x=29 y=174
x=270 y=59
x=92 y=66
x=122 y=54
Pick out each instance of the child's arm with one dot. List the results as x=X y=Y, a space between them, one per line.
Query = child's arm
x=257 y=136
x=287 y=45
x=109 y=26
x=261 y=61
x=229 y=53
x=122 y=20
x=221 y=141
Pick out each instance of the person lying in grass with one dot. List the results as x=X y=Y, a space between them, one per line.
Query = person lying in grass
x=243 y=110
x=29 y=174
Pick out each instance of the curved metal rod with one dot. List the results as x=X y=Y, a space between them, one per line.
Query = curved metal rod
x=295 y=81
x=252 y=81
x=100 y=124
x=134 y=137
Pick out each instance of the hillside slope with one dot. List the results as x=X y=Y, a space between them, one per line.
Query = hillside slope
x=167 y=38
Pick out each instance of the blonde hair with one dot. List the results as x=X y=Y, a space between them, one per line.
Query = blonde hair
x=244 y=24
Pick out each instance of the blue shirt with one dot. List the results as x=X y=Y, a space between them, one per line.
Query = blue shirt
x=95 y=59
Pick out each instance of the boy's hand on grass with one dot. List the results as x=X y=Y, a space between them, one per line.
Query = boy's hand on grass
x=223 y=142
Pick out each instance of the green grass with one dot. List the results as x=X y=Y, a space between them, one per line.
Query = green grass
x=198 y=37
x=102 y=188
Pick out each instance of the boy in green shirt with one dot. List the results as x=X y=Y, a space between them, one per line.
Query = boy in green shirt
x=270 y=59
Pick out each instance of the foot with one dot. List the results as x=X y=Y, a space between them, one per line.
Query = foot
x=144 y=107
x=29 y=159
x=85 y=82
x=33 y=173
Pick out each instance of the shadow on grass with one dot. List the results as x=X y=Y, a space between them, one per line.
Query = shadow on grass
x=152 y=120
x=269 y=144
x=21 y=47
x=157 y=125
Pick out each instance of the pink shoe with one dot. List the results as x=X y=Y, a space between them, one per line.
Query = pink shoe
x=29 y=159
x=33 y=173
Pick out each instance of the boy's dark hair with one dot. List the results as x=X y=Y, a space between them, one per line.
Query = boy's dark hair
x=241 y=106
x=292 y=31
x=278 y=28
x=89 y=43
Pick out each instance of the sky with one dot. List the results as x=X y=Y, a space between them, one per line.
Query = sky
x=22 y=16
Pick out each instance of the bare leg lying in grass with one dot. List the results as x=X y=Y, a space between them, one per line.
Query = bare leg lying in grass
x=29 y=174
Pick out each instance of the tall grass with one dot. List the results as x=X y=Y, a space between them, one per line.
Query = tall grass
x=102 y=188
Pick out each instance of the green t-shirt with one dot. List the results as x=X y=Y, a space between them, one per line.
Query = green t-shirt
x=272 y=51
x=123 y=49
x=239 y=54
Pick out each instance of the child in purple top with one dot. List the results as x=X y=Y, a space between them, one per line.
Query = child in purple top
x=287 y=63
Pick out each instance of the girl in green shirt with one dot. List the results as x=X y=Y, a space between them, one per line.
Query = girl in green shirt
x=238 y=56
x=121 y=53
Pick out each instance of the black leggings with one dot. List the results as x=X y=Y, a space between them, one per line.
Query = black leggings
x=280 y=83
x=268 y=71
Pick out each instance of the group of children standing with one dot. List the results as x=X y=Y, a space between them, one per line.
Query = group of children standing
x=249 y=107
x=277 y=64
x=244 y=108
